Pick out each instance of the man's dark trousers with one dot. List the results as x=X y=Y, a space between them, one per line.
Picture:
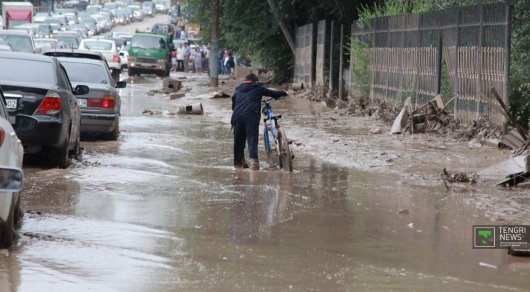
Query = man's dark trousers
x=246 y=129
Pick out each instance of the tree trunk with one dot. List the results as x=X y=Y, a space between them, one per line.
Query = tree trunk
x=214 y=49
x=283 y=27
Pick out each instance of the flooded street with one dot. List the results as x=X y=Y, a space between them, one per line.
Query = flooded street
x=162 y=209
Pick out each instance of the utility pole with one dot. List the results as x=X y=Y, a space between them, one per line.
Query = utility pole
x=214 y=48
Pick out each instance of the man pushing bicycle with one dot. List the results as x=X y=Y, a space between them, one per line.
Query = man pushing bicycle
x=246 y=114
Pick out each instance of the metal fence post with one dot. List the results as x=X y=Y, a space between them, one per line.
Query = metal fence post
x=330 y=87
x=507 y=44
x=341 y=62
x=478 y=83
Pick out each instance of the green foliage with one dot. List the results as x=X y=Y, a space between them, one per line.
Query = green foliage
x=249 y=26
x=359 y=66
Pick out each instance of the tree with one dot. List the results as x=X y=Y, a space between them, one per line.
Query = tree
x=249 y=27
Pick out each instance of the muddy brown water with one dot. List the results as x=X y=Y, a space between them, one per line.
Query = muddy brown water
x=162 y=210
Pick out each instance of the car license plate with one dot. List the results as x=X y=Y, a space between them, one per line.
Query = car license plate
x=11 y=103
x=81 y=102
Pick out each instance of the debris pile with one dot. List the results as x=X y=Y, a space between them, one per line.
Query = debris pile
x=428 y=117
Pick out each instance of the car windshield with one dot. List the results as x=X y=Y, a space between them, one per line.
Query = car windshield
x=41 y=72
x=147 y=4
x=55 y=20
x=97 y=45
x=44 y=29
x=85 y=73
x=45 y=43
x=147 y=42
x=19 y=42
x=71 y=41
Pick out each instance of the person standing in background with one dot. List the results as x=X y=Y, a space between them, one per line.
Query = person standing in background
x=180 y=58
x=187 y=54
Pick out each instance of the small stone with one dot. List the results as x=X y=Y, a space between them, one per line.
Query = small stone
x=404 y=212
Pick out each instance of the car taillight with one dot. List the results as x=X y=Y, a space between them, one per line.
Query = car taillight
x=50 y=105
x=107 y=101
x=116 y=59
x=2 y=135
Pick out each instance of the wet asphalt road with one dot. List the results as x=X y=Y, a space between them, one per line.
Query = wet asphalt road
x=162 y=210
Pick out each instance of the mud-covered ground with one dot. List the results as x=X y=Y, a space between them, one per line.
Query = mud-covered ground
x=162 y=209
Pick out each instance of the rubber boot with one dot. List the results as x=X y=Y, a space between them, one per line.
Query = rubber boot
x=254 y=164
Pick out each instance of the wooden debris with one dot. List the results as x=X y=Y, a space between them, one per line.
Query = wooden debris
x=513 y=139
x=174 y=96
x=506 y=112
x=458 y=177
x=509 y=172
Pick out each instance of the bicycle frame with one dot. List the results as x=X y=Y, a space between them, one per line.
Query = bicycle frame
x=270 y=125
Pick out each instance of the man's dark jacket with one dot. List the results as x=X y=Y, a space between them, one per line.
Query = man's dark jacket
x=246 y=101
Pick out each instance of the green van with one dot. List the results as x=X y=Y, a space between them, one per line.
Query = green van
x=150 y=53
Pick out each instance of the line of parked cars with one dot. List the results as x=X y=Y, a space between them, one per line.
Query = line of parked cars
x=59 y=80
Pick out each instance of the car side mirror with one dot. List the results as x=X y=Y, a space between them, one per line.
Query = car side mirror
x=11 y=179
x=25 y=123
x=121 y=84
x=81 y=90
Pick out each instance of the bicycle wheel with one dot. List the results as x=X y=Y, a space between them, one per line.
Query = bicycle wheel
x=271 y=155
x=286 y=158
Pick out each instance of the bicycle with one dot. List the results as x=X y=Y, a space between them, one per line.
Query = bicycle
x=279 y=152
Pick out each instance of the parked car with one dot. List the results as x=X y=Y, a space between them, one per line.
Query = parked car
x=163 y=28
x=5 y=46
x=40 y=17
x=71 y=17
x=11 y=177
x=46 y=45
x=100 y=111
x=20 y=40
x=148 y=7
x=137 y=12
x=92 y=9
x=70 y=38
x=108 y=49
x=91 y=24
x=81 y=28
x=61 y=20
x=44 y=93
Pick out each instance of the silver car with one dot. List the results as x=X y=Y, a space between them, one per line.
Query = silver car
x=100 y=109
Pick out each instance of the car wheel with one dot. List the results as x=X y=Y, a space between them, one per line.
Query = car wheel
x=7 y=230
x=61 y=156
x=131 y=72
x=76 y=152
x=18 y=214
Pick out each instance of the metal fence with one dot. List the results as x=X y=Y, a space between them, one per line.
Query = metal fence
x=304 y=61
x=321 y=55
x=460 y=52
